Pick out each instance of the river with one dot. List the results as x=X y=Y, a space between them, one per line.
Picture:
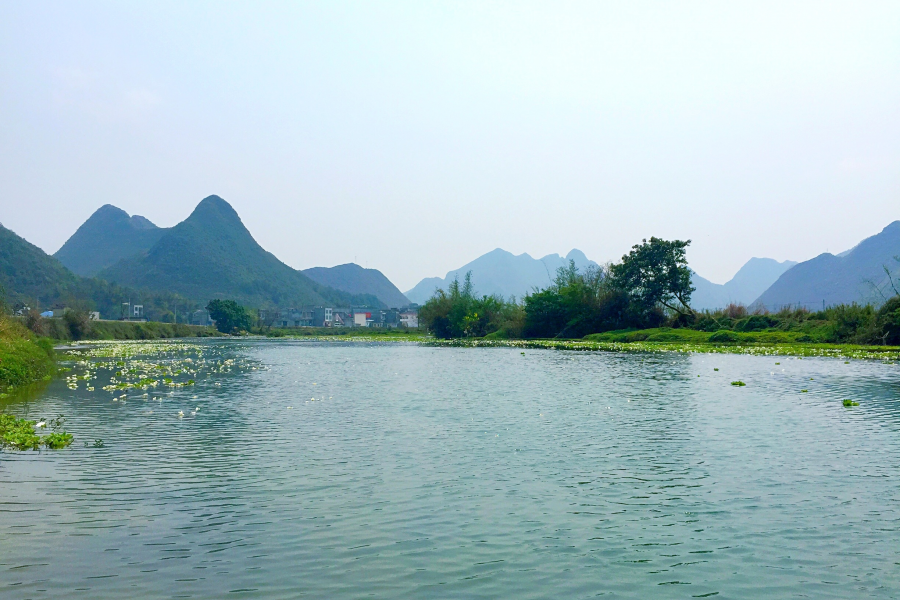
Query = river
x=349 y=470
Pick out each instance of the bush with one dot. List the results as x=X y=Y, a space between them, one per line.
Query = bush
x=755 y=323
x=887 y=323
x=35 y=322
x=724 y=336
x=78 y=322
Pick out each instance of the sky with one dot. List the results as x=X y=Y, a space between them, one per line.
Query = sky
x=413 y=137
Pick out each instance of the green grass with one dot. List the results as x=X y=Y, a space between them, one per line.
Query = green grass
x=702 y=346
x=128 y=330
x=23 y=359
x=725 y=336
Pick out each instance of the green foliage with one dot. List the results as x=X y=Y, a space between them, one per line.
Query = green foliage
x=886 y=328
x=724 y=336
x=230 y=317
x=850 y=403
x=738 y=383
x=20 y=434
x=577 y=304
x=656 y=273
x=22 y=361
x=460 y=313
x=78 y=322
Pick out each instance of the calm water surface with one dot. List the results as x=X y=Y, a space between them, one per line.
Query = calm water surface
x=398 y=471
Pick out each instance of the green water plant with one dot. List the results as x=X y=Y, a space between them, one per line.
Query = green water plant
x=20 y=434
x=738 y=383
x=850 y=403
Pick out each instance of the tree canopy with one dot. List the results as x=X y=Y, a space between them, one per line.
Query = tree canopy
x=230 y=317
x=654 y=273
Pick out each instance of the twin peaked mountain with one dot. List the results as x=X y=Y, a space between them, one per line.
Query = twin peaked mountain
x=211 y=255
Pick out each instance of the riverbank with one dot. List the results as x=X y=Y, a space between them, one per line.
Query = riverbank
x=57 y=329
x=24 y=359
x=761 y=348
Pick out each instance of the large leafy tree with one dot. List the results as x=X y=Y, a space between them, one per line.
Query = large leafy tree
x=230 y=317
x=656 y=273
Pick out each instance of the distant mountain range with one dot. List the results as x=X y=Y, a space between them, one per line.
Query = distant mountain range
x=852 y=276
x=114 y=256
x=502 y=273
x=748 y=283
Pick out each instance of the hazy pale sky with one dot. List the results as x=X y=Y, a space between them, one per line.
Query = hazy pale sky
x=412 y=137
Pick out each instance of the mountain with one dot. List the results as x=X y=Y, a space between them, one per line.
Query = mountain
x=108 y=236
x=354 y=279
x=841 y=279
x=32 y=277
x=212 y=255
x=503 y=273
x=28 y=274
x=748 y=283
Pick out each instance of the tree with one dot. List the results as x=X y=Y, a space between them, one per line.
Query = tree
x=656 y=273
x=230 y=317
x=459 y=312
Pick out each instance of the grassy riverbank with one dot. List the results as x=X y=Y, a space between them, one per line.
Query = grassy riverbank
x=58 y=329
x=24 y=358
x=658 y=343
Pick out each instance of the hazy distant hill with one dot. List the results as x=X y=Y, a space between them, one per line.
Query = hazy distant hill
x=503 y=273
x=354 y=279
x=839 y=279
x=212 y=255
x=748 y=283
x=108 y=236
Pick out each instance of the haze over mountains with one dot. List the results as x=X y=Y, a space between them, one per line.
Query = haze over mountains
x=212 y=255
x=748 y=283
x=852 y=276
x=502 y=273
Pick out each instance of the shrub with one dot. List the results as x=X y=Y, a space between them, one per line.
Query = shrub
x=887 y=323
x=78 y=322
x=754 y=323
x=735 y=311
x=724 y=336
x=35 y=322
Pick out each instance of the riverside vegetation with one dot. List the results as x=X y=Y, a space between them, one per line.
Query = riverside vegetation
x=25 y=360
x=646 y=298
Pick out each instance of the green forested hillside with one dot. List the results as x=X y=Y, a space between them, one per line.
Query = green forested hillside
x=27 y=273
x=107 y=237
x=30 y=276
x=212 y=255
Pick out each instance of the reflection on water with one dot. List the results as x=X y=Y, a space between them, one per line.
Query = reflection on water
x=346 y=470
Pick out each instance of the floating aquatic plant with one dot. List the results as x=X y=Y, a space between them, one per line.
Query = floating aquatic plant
x=737 y=383
x=850 y=403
